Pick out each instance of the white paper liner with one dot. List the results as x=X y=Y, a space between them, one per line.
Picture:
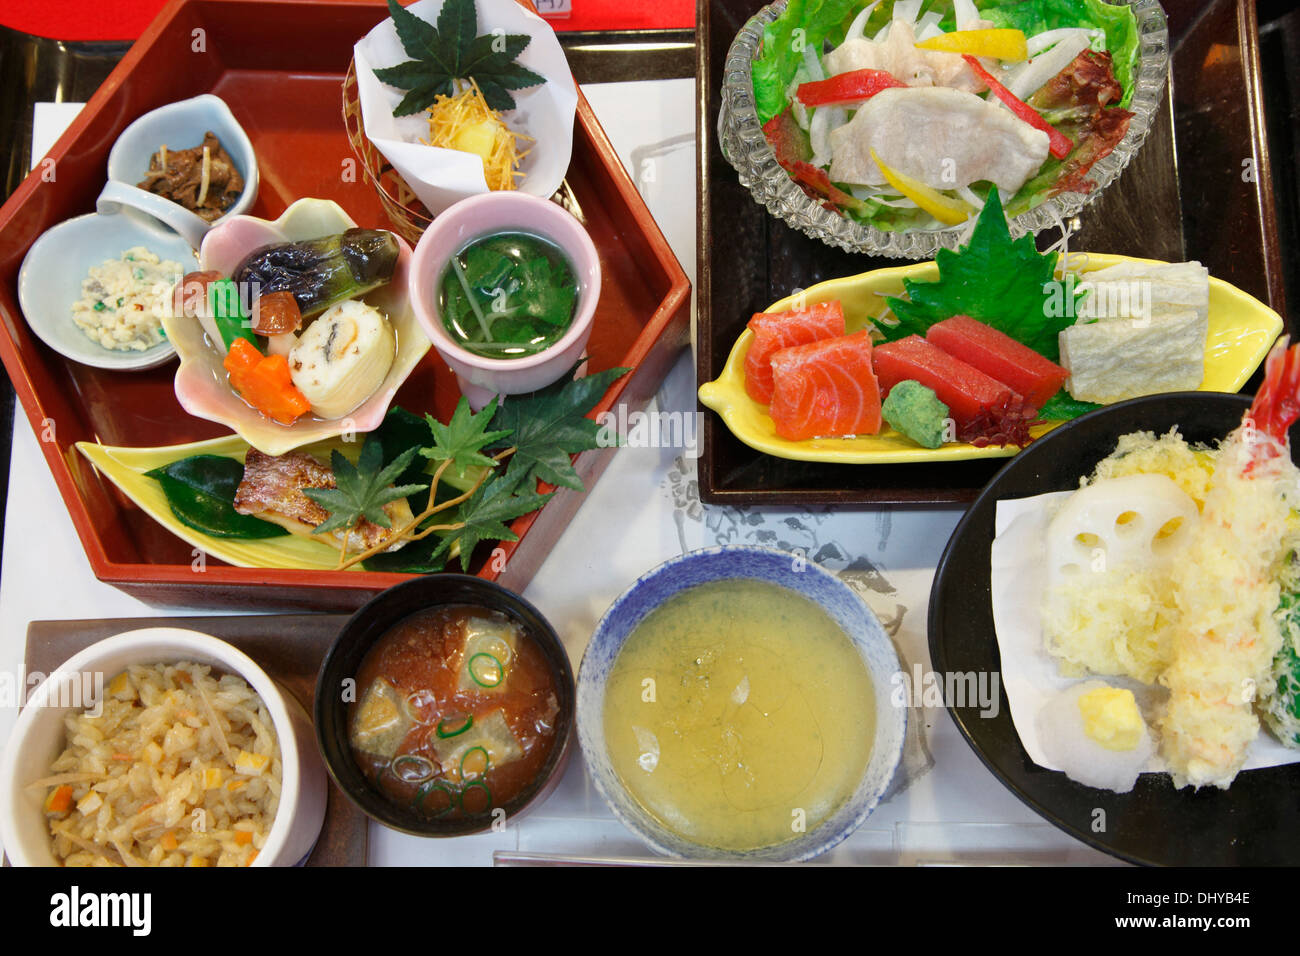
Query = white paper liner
x=1029 y=673
x=440 y=177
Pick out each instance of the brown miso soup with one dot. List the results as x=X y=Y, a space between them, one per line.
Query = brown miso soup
x=456 y=712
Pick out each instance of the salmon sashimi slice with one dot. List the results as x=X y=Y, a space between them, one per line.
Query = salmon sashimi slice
x=825 y=389
x=272 y=488
x=774 y=331
x=963 y=388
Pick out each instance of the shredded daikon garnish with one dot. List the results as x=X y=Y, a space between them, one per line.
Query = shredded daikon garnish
x=206 y=177
x=214 y=722
x=61 y=778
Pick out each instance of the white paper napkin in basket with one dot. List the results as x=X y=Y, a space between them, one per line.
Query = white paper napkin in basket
x=441 y=177
x=1029 y=673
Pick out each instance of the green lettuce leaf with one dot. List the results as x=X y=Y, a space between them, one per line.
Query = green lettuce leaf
x=782 y=52
x=1116 y=19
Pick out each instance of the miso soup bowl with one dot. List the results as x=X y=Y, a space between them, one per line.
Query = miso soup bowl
x=476 y=218
x=694 y=568
x=338 y=674
x=39 y=737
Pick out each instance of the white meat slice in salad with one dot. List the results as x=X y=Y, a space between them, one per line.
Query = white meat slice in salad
x=898 y=56
x=944 y=137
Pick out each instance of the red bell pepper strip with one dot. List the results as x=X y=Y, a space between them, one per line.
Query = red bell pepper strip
x=852 y=87
x=1058 y=144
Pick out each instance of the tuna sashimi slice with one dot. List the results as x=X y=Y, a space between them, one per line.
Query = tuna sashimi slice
x=998 y=355
x=774 y=331
x=825 y=389
x=962 y=387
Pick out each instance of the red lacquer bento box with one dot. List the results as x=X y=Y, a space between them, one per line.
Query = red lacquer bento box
x=279 y=65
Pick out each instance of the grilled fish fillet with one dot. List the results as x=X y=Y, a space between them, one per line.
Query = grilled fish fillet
x=272 y=490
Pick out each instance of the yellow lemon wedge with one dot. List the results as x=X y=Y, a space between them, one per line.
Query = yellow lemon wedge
x=1001 y=44
x=953 y=212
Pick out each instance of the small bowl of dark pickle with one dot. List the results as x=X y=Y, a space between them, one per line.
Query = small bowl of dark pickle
x=506 y=285
x=445 y=707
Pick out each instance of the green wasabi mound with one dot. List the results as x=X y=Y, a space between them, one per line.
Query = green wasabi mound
x=916 y=411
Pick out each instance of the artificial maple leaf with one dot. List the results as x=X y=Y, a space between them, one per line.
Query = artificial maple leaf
x=462 y=440
x=483 y=516
x=552 y=424
x=451 y=51
x=362 y=490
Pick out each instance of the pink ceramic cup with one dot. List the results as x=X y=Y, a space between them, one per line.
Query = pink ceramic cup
x=481 y=378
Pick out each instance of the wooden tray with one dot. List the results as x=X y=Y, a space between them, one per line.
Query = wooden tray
x=289 y=647
x=1184 y=196
x=279 y=64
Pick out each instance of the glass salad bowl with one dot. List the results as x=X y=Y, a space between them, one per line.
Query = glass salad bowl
x=747 y=149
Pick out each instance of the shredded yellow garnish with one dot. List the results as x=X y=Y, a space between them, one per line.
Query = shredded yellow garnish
x=466 y=123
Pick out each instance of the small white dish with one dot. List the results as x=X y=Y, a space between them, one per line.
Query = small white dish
x=39 y=736
x=116 y=195
x=49 y=282
x=178 y=125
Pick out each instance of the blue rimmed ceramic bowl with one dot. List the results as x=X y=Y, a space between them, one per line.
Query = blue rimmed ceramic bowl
x=777 y=567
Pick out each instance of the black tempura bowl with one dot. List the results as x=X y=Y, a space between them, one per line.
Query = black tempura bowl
x=1256 y=821
x=373 y=621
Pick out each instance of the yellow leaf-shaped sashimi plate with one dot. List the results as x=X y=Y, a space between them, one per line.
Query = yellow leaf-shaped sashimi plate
x=1241 y=331
x=126 y=468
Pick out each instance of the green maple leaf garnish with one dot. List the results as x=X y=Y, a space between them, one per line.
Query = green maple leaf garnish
x=484 y=514
x=462 y=440
x=451 y=51
x=552 y=424
x=362 y=490
x=992 y=278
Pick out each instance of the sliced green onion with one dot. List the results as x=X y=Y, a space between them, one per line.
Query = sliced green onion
x=428 y=788
x=486 y=679
x=100 y=306
x=487 y=763
x=471 y=785
x=443 y=731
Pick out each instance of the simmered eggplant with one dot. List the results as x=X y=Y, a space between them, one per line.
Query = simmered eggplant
x=321 y=272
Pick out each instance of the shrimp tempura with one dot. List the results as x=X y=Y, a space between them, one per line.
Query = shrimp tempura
x=1228 y=635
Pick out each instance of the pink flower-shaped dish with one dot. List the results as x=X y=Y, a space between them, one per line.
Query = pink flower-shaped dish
x=202 y=385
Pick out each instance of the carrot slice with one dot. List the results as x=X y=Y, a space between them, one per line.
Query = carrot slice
x=59 y=800
x=265 y=383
